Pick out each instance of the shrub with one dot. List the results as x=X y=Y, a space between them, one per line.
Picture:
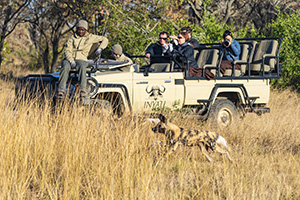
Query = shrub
x=287 y=26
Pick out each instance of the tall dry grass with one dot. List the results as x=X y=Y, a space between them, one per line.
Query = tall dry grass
x=78 y=154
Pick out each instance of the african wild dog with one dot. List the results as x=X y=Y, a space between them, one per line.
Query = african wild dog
x=205 y=140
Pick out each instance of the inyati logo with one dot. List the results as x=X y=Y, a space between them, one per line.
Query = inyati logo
x=155 y=91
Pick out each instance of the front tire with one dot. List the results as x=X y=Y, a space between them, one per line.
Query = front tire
x=222 y=114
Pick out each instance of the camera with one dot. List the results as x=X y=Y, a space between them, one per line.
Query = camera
x=226 y=42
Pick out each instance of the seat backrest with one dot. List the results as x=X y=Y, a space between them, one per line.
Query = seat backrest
x=265 y=47
x=207 y=57
x=160 y=67
x=196 y=54
x=247 y=50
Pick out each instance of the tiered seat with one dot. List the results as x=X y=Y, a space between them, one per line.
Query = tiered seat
x=208 y=58
x=264 y=59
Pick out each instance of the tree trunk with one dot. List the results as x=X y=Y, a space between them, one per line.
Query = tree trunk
x=3 y=33
x=53 y=63
x=1 y=51
x=46 y=59
x=55 y=53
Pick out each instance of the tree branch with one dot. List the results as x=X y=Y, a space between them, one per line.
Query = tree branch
x=137 y=25
x=195 y=10
x=228 y=10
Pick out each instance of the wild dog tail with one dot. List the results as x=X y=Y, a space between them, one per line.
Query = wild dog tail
x=222 y=141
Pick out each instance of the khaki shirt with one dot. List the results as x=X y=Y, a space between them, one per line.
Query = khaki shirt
x=79 y=48
x=123 y=58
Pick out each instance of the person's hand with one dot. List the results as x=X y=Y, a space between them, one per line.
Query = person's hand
x=73 y=64
x=98 y=51
x=174 y=37
x=147 y=55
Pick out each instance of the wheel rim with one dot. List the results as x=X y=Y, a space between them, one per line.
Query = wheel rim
x=225 y=117
x=92 y=86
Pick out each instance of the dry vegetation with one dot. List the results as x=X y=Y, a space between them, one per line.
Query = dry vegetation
x=77 y=154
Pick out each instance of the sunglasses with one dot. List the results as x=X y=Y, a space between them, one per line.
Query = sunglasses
x=179 y=37
x=163 y=38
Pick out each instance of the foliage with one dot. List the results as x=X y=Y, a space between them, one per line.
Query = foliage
x=135 y=24
x=5 y=50
x=11 y=14
x=136 y=27
x=288 y=27
x=241 y=13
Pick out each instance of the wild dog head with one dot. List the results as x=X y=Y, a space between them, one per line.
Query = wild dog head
x=167 y=128
x=162 y=126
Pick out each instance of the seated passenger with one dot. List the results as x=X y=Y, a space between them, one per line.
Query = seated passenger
x=160 y=48
x=187 y=49
x=191 y=40
x=232 y=50
x=117 y=52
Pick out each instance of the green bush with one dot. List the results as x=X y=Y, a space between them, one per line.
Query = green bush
x=287 y=26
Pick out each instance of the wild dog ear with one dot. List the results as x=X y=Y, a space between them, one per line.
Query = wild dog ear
x=162 y=118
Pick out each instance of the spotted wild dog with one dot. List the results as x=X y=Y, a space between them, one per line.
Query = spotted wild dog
x=205 y=140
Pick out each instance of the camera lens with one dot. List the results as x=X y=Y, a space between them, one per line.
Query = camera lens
x=226 y=43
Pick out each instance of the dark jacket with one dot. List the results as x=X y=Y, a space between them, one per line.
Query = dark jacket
x=194 y=42
x=158 y=50
x=233 y=51
x=188 y=51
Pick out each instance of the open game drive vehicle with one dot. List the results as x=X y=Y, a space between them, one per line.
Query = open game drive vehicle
x=129 y=88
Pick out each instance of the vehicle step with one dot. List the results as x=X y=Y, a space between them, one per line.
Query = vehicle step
x=261 y=110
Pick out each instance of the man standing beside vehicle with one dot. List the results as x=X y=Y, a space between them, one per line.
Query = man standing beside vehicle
x=160 y=48
x=78 y=47
x=232 y=51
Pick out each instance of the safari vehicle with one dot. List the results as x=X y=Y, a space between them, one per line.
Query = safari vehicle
x=129 y=88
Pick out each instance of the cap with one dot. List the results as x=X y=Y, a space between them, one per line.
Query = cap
x=83 y=24
x=117 y=49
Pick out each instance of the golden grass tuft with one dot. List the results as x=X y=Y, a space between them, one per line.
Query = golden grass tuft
x=74 y=153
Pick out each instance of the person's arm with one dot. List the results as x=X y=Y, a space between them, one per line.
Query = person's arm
x=103 y=40
x=189 y=53
x=195 y=43
x=235 y=48
x=169 y=50
x=149 y=51
x=69 y=50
